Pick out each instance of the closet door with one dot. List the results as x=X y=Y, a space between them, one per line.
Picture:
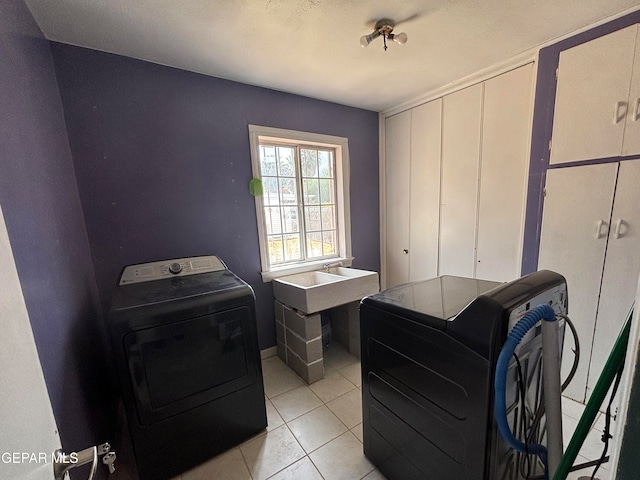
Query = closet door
x=591 y=97
x=577 y=211
x=631 y=145
x=425 y=190
x=397 y=170
x=461 y=121
x=503 y=173
x=621 y=267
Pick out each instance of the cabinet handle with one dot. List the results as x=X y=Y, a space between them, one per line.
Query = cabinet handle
x=636 y=112
x=617 y=116
x=618 y=231
x=405 y=251
x=599 y=226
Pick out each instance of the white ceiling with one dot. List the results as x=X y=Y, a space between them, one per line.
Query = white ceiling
x=311 y=47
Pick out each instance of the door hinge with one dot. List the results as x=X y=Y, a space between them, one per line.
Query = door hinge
x=544 y=192
x=550 y=144
x=557 y=72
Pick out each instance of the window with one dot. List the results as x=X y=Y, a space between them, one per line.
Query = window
x=302 y=214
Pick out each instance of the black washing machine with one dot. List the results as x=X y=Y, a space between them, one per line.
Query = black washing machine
x=185 y=342
x=429 y=351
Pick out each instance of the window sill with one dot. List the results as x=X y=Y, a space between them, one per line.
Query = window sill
x=303 y=267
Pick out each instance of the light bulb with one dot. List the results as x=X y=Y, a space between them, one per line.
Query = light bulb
x=365 y=40
x=400 y=38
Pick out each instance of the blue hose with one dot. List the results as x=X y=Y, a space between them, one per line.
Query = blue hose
x=541 y=312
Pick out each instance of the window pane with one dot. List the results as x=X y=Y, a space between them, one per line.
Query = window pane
x=268 y=160
x=288 y=195
x=309 y=160
x=272 y=219
x=314 y=245
x=312 y=218
x=310 y=191
x=328 y=217
x=286 y=163
x=325 y=164
x=276 y=254
x=291 y=220
x=299 y=202
x=328 y=243
x=270 y=191
x=292 y=247
x=326 y=191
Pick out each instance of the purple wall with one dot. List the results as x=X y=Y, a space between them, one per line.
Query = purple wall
x=44 y=219
x=163 y=164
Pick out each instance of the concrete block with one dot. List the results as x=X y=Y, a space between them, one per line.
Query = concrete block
x=309 y=351
x=310 y=373
x=280 y=332
x=315 y=371
x=305 y=326
x=282 y=351
x=279 y=308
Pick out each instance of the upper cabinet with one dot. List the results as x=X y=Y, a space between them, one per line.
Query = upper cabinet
x=597 y=109
x=631 y=145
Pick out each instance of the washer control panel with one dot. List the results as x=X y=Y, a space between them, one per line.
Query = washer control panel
x=179 y=267
x=555 y=297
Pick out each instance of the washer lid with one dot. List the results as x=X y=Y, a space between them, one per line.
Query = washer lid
x=179 y=267
x=440 y=298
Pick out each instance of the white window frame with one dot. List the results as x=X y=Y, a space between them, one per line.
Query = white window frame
x=292 y=137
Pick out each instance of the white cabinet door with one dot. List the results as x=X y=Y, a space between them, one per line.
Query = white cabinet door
x=425 y=190
x=631 y=145
x=397 y=174
x=461 y=121
x=26 y=417
x=591 y=98
x=621 y=267
x=503 y=174
x=577 y=209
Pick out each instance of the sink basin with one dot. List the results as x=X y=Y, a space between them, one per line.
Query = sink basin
x=352 y=273
x=312 y=292
x=310 y=279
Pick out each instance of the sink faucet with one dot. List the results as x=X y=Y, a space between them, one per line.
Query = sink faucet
x=327 y=266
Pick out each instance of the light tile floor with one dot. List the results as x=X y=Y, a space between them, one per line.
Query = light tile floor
x=315 y=432
x=592 y=447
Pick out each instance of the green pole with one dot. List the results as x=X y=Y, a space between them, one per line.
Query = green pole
x=615 y=360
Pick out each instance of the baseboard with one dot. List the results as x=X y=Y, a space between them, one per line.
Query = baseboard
x=268 y=352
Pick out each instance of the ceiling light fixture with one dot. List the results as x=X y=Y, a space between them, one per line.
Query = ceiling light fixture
x=383 y=28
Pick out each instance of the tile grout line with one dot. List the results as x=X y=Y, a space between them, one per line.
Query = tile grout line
x=301 y=447
x=246 y=464
x=316 y=467
x=323 y=403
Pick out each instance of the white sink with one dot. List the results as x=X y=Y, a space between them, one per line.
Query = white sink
x=312 y=292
